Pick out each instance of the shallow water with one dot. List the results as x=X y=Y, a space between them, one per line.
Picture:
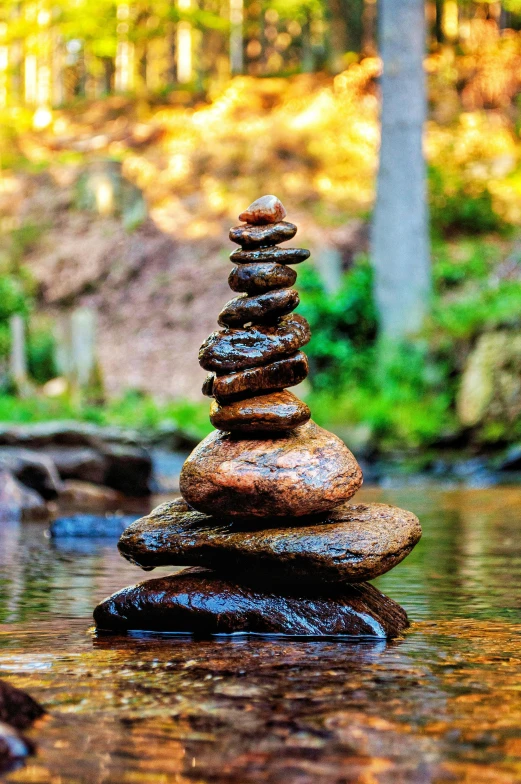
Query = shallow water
x=441 y=704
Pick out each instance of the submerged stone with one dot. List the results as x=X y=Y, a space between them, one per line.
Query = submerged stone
x=276 y=411
x=276 y=375
x=234 y=349
x=260 y=277
x=249 y=236
x=280 y=255
x=353 y=543
x=200 y=602
x=265 y=307
x=14 y=748
x=17 y=707
x=304 y=471
x=267 y=209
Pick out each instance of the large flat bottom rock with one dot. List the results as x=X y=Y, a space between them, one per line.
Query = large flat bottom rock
x=200 y=602
x=352 y=543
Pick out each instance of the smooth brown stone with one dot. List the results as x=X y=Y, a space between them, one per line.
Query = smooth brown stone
x=280 y=255
x=200 y=602
x=273 y=412
x=267 y=209
x=265 y=307
x=235 y=349
x=262 y=236
x=261 y=277
x=306 y=471
x=353 y=543
x=277 y=375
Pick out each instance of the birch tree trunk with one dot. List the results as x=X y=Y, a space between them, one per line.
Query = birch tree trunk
x=400 y=243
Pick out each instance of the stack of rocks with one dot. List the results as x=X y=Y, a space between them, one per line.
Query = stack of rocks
x=264 y=522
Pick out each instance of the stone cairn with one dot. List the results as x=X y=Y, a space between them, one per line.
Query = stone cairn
x=263 y=522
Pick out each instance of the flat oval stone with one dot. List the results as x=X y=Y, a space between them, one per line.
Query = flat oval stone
x=273 y=412
x=267 y=209
x=280 y=255
x=234 y=349
x=200 y=602
x=353 y=543
x=207 y=388
x=277 y=375
x=306 y=471
x=249 y=236
x=264 y=307
x=261 y=277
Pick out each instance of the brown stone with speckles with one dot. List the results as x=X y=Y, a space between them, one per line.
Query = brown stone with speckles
x=306 y=471
x=261 y=277
x=276 y=375
x=265 y=308
x=235 y=349
x=351 y=544
x=261 y=414
x=249 y=236
x=267 y=209
x=202 y=602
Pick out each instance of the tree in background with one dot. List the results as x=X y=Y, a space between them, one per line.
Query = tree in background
x=400 y=243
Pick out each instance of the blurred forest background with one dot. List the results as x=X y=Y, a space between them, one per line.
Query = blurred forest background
x=132 y=135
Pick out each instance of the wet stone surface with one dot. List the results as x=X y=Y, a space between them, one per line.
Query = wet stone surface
x=202 y=602
x=267 y=209
x=274 y=412
x=262 y=236
x=353 y=543
x=442 y=704
x=275 y=375
x=280 y=255
x=305 y=471
x=230 y=350
x=260 y=277
x=265 y=307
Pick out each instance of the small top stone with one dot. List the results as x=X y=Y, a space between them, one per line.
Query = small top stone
x=267 y=209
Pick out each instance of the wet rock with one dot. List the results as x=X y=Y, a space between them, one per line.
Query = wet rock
x=85 y=494
x=265 y=307
x=18 y=708
x=90 y=526
x=276 y=375
x=273 y=412
x=306 y=471
x=129 y=469
x=207 y=388
x=280 y=255
x=235 y=349
x=32 y=469
x=14 y=748
x=261 y=236
x=18 y=502
x=200 y=602
x=83 y=463
x=351 y=544
x=260 y=277
x=267 y=209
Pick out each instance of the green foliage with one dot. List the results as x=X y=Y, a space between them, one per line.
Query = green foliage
x=458 y=206
x=343 y=325
x=41 y=352
x=132 y=410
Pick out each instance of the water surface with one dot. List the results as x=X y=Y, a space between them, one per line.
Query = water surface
x=443 y=704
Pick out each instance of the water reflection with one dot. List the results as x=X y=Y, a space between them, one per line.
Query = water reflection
x=443 y=704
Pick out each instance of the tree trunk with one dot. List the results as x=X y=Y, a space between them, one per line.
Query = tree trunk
x=400 y=245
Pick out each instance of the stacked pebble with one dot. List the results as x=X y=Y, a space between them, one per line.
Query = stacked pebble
x=264 y=509
x=256 y=354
